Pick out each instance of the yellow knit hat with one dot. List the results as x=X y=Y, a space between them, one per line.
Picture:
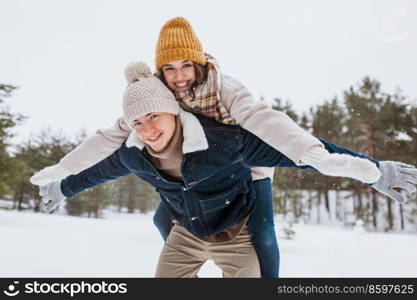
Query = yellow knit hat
x=177 y=41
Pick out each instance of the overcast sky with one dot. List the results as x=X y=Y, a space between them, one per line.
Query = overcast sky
x=68 y=57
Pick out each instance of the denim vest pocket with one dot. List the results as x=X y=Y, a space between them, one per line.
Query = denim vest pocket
x=226 y=202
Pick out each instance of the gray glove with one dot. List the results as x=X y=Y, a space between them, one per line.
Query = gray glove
x=52 y=196
x=396 y=174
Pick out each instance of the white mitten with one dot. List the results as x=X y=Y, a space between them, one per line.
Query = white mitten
x=344 y=165
x=49 y=174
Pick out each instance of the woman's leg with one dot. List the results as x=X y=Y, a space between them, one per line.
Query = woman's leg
x=262 y=229
x=162 y=220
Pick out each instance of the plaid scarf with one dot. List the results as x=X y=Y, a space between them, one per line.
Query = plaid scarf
x=204 y=99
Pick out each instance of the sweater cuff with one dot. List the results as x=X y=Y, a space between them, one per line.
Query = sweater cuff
x=313 y=155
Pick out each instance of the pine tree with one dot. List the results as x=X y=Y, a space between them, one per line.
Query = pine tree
x=328 y=123
x=44 y=149
x=375 y=119
x=8 y=165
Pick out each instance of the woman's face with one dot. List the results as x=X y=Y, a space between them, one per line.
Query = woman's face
x=179 y=75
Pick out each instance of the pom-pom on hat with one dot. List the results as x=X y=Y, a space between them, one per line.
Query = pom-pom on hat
x=145 y=94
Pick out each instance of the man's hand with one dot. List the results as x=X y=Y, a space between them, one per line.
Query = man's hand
x=396 y=175
x=49 y=174
x=52 y=196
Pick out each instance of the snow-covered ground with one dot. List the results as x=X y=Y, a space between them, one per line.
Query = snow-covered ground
x=123 y=245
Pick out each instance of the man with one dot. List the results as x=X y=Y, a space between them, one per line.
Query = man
x=201 y=169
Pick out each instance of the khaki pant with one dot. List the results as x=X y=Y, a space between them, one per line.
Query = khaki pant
x=184 y=254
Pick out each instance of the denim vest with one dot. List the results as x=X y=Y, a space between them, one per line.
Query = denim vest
x=216 y=191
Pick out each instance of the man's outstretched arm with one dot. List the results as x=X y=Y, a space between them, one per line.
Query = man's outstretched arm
x=110 y=168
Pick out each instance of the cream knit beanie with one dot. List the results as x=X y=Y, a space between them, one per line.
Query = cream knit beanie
x=145 y=94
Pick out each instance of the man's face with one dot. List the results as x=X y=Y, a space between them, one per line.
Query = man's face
x=179 y=75
x=155 y=129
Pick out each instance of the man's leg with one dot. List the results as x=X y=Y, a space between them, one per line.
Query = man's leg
x=182 y=255
x=237 y=258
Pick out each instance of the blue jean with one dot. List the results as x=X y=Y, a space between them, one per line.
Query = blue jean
x=262 y=229
x=260 y=226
